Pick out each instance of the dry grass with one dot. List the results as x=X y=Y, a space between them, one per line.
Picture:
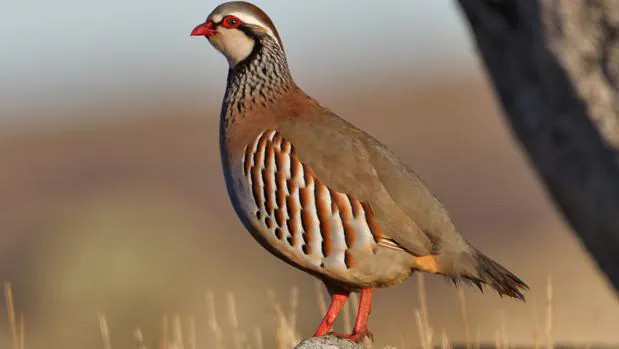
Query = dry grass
x=213 y=325
x=10 y=307
x=421 y=316
x=184 y=334
x=549 y=315
x=139 y=339
x=465 y=322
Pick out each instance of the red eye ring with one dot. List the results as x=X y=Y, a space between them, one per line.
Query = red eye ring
x=231 y=22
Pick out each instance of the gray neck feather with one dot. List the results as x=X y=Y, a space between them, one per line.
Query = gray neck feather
x=259 y=80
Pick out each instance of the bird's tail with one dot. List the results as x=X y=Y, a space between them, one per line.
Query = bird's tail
x=496 y=276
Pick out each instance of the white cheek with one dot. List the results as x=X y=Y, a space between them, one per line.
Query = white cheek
x=234 y=44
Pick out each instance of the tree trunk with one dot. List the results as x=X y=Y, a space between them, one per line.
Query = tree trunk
x=555 y=67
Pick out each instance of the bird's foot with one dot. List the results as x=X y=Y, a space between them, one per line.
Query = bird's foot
x=357 y=337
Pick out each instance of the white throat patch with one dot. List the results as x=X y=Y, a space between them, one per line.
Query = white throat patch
x=234 y=43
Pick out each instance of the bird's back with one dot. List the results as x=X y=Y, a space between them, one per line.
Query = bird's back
x=350 y=160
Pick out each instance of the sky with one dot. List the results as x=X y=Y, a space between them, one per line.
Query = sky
x=68 y=52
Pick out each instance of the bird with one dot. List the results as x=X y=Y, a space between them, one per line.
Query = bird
x=321 y=194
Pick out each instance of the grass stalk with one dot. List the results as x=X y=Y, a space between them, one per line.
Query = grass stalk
x=105 y=331
x=165 y=329
x=192 y=338
x=463 y=314
x=10 y=308
x=22 y=331
x=423 y=313
x=549 y=315
x=213 y=325
x=503 y=329
x=177 y=332
x=139 y=338
x=445 y=344
x=320 y=298
x=258 y=337
x=294 y=307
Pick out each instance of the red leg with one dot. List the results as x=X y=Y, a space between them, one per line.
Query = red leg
x=360 y=330
x=365 y=307
x=338 y=299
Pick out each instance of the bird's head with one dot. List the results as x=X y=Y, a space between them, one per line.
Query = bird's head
x=236 y=28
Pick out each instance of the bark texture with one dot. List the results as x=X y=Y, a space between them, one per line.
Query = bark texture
x=554 y=65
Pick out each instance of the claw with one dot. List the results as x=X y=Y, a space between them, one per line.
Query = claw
x=355 y=337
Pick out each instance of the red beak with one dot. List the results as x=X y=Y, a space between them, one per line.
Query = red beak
x=204 y=29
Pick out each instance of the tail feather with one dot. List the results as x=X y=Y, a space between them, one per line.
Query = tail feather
x=496 y=276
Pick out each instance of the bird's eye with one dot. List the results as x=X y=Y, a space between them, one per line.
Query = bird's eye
x=231 y=22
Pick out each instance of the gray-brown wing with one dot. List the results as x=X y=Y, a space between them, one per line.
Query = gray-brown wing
x=414 y=198
x=338 y=154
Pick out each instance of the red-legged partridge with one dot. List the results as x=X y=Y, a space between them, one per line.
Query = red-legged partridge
x=321 y=194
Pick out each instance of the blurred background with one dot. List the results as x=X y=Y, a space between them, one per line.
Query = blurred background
x=112 y=198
